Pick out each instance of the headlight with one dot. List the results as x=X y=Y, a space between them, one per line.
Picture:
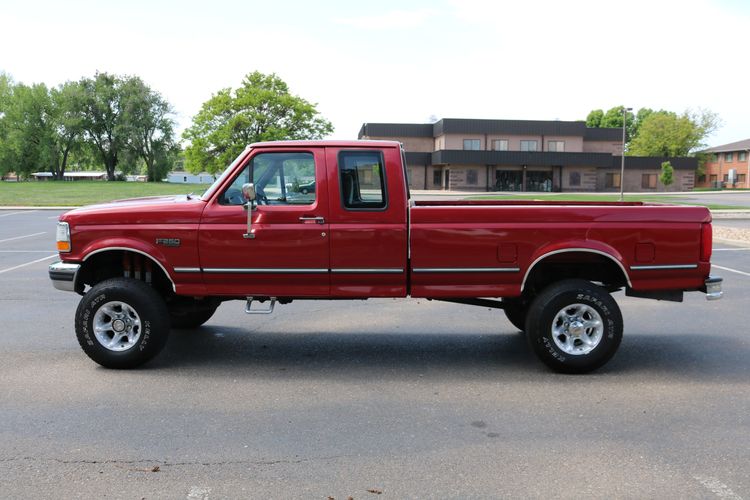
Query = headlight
x=63 y=237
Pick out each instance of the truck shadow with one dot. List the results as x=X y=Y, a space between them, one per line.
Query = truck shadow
x=225 y=351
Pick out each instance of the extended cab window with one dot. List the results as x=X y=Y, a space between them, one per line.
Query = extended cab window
x=362 y=180
x=279 y=178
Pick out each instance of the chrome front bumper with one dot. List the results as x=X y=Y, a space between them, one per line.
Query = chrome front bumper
x=713 y=288
x=63 y=275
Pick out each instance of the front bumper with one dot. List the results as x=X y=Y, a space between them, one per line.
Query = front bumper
x=63 y=275
x=713 y=288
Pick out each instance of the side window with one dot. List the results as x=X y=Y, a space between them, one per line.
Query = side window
x=362 y=180
x=279 y=178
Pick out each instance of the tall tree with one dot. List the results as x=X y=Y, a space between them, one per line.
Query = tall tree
x=147 y=116
x=102 y=118
x=67 y=124
x=6 y=94
x=261 y=109
x=665 y=133
x=594 y=118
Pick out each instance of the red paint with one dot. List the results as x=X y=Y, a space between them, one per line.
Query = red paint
x=444 y=234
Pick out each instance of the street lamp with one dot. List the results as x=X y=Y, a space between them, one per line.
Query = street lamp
x=622 y=166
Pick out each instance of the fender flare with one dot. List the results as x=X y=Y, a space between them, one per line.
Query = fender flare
x=136 y=246
x=594 y=247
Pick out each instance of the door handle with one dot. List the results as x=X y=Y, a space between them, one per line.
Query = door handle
x=318 y=219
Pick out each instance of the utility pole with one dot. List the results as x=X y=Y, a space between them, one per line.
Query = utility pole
x=622 y=166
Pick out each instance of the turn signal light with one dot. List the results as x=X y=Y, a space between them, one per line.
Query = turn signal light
x=63 y=246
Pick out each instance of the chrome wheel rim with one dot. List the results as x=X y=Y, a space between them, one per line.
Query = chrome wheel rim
x=117 y=327
x=577 y=329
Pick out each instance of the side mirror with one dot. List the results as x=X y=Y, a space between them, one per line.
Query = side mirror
x=248 y=191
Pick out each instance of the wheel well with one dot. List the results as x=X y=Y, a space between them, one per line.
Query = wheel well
x=589 y=266
x=123 y=263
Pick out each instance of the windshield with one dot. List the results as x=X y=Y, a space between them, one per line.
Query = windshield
x=210 y=191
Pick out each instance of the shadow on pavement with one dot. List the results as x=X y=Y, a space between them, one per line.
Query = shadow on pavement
x=222 y=351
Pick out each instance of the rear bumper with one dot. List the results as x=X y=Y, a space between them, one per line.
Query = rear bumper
x=713 y=288
x=63 y=275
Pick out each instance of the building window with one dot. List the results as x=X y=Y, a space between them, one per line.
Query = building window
x=612 y=180
x=437 y=177
x=558 y=146
x=726 y=178
x=528 y=145
x=648 y=181
x=471 y=144
x=741 y=178
x=741 y=156
x=574 y=179
x=729 y=157
x=715 y=157
x=714 y=178
x=472 y=179
x=701 y=179
x=500 y=144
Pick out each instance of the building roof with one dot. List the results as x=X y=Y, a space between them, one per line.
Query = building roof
x=732 y=146
x=495 y=127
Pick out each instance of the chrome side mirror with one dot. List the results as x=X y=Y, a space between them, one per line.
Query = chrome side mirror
x=248 y=192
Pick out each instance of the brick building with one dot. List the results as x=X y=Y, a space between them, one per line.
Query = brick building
x=523 y=155
x=727 y=166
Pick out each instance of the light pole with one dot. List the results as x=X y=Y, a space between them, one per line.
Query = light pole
x=622 y=166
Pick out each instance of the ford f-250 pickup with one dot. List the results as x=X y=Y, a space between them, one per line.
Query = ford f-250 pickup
x=262 y=235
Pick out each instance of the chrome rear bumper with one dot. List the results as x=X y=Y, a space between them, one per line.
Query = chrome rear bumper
x=713 y=288
x=63 y=275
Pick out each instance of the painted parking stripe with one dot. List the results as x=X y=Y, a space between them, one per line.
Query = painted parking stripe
x=743 y=249
x=24 y=251
x=730 y=270
x=27 y=264
x=18 y=213
x=22 y=237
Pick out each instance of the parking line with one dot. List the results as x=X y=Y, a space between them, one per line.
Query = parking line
x=25 y=251
x=21 y=237
x=745 y=249
x=27 y=264
x=16 y=213
x=730 y=270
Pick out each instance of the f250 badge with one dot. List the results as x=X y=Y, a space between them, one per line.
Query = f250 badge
x=168 y=242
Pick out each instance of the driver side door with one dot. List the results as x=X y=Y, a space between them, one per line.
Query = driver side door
x=289 y=254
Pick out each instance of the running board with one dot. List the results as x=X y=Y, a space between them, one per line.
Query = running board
x=249 y=307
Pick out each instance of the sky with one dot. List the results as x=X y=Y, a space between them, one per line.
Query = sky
x=404 y=61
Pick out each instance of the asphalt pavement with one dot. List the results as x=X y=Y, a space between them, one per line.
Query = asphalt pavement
x=372 y=399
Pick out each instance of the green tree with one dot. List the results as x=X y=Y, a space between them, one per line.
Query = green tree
x=261 y=109
x=667 y=174
x=6 y=95
x=594 y=118
x=102 y=118
x=666 y=133
x=67 y=123
x=147 y=117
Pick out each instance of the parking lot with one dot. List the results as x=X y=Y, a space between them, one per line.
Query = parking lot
x=373 y=399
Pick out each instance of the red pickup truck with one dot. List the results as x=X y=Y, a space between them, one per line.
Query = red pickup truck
x=334 y=220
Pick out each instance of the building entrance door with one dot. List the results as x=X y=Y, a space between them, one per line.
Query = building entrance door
x=508 y=180
x=539 y=181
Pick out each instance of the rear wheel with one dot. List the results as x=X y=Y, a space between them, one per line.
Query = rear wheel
x=574 y=326
x=122 y=323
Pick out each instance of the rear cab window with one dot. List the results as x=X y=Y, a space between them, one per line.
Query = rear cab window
x=362 y=180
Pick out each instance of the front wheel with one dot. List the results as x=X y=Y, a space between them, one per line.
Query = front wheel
x=122 y=323
x=574 y=326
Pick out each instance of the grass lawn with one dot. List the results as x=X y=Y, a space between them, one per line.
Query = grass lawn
x=77 y=193
x=670 y=199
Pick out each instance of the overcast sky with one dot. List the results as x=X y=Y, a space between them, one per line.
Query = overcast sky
x=404 y=61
